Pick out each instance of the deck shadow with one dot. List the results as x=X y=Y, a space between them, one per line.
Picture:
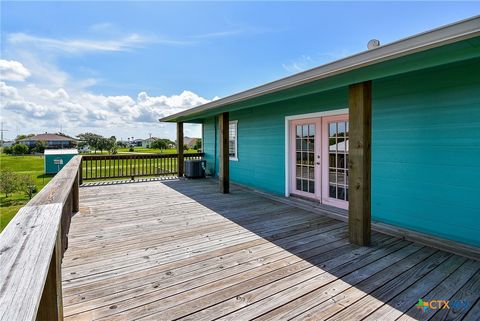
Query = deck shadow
x=393 y=272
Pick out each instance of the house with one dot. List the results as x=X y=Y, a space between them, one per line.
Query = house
x=190 y=141
x=8 y=143
x=147 y=142
x=136 y=142
x=409 y=109
x=55 y=141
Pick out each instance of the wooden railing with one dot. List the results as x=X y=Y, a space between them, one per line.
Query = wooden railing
x=32 y=247
x=102 y=167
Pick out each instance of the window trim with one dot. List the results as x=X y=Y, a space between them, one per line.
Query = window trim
x=234 y=158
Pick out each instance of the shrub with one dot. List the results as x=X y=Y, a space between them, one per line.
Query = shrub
x=7 y=150
x=20 y=149
x=8 y=182
x=26 y=184
x=131 y=149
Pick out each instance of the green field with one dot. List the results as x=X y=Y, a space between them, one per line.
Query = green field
x=145 y=150
x=31 y=165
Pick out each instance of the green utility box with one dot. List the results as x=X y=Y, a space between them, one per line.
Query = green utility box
x=55 y=159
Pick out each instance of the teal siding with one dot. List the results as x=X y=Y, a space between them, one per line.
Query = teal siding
x=209 y=144
x=425 y=148
x=426 y=151
x=261 y=139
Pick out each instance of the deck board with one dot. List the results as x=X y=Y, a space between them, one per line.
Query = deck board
x=178 y=249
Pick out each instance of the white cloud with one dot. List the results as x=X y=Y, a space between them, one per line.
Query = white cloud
x=79 y=45
x=39 y=108
x=219 y=34
x=305 y=62
x=13 y=70
x=298 y=65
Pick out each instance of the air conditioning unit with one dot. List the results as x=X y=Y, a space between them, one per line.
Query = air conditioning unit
x=195 y=168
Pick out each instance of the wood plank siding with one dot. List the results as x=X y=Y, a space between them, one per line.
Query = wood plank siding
x=425 y=147
x=180 y=250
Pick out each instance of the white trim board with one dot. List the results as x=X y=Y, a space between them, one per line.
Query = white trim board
x=235 y=121
x=332 y=112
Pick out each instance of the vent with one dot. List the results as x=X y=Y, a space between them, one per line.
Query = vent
x=374 y=43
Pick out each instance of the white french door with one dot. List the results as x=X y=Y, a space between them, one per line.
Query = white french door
x=319 y=159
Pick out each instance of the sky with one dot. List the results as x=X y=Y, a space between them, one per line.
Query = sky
x=115 y=68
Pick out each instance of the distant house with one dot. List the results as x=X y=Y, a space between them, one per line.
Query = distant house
x=8 y=143
x=51 y=141
x=136 y=142
x=190 y=141
x=146 y=143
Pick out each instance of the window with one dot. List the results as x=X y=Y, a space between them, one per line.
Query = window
x=232 y=140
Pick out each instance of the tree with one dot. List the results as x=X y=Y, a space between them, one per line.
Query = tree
x=97 y=142
x=23 y=136
x=26 y=183
x=91 y=140
x=159 y=143
x=20 y=149
x=39 y=147
x=198 y=144
x=8 y=182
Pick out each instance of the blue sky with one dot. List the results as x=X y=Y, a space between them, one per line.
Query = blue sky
x=115 y=67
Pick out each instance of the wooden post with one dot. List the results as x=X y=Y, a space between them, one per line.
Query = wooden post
x=359 y=204
x=80 y=173
x=180 y=149
x=224 y=175
x=51 y=304
x=76 y=194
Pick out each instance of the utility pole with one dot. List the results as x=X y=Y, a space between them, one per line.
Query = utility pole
x=2 y=130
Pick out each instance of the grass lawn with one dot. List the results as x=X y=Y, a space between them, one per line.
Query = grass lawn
x=145 y=150
x=31 y=165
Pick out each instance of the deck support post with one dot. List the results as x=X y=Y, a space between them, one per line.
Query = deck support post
x=360 y=121
x=180 y=149
x=76 y=193
x=80 y=173
x=51 y=303
x=224 y=175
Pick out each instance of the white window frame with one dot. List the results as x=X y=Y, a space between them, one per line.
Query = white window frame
x=235 y=158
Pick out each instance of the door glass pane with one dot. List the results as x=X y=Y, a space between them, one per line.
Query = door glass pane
x=332 y=129
x=305 y=131
x=304 y=149
x=338 y=160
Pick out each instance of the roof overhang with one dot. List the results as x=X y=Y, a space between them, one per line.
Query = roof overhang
x=448 y=34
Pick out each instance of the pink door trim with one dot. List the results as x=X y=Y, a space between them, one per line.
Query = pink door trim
x=321 y=149
x=325 y=199
x=293 y=157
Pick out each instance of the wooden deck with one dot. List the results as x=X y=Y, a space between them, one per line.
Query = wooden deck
x=167 y=250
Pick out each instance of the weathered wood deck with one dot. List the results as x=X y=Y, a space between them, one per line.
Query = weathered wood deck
x=180 y=250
